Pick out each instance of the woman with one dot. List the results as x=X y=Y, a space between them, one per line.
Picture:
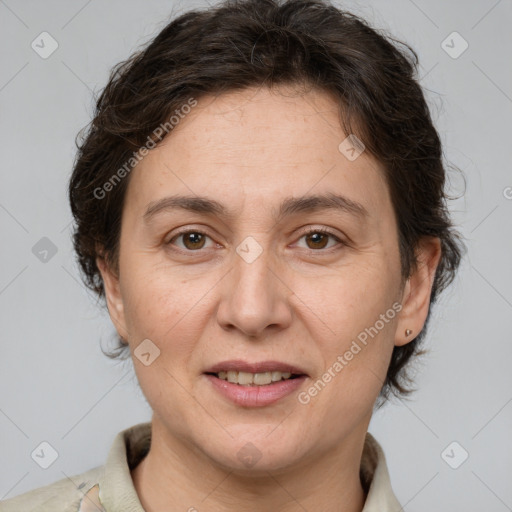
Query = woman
x=260 y=201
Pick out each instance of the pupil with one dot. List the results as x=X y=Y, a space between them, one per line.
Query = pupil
x=316 y=237
x=192 y=239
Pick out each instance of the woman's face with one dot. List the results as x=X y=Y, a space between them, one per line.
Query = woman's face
x=248 y=283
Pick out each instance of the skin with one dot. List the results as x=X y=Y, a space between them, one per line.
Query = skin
x=302 y=301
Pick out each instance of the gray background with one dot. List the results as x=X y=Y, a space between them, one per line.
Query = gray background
x=56 y=384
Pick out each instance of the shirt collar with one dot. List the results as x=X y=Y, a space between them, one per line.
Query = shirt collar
x=374 y=474
x=130 y=446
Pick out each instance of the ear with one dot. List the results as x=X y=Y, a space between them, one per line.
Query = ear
x=417 y=291
x=113 y=297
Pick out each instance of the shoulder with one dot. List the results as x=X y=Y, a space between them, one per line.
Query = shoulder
x=63 y=495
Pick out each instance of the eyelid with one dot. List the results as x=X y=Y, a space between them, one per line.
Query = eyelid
x=318 y=229
x=326 y=231
x=189 y=229
x=303 y=232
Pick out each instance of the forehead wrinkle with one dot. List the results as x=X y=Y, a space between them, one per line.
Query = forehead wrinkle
x=289 y=206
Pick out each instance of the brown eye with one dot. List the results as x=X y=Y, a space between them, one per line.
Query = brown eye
x=318 y=240
x=189 y=240
x=193 y=240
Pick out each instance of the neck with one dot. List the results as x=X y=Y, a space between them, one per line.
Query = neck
x=175 y=476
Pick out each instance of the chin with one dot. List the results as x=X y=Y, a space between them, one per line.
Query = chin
x=253 y=450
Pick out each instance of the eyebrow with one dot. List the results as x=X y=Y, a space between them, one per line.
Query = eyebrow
x=289 y=206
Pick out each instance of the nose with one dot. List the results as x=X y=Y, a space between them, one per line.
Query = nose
x=254 y=297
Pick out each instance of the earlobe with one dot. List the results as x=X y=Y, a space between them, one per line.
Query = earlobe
x=417 y=291
x=113 y=297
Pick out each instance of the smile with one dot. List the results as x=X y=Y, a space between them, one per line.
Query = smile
x=252 y=394
x=257 y=379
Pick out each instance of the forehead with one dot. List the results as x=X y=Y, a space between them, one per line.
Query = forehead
x=258 y=145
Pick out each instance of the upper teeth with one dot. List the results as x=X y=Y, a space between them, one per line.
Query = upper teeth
x=246 y=379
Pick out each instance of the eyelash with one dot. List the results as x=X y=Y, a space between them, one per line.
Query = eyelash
x=310 y=231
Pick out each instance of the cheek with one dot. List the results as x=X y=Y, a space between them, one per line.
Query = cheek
x=348 y=299
x=351 y=316
x=152 y=299
x=162 y=306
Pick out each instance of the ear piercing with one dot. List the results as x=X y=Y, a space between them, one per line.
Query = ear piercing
x=408 y=332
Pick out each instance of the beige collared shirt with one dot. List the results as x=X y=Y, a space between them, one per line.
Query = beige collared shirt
x=109 y=488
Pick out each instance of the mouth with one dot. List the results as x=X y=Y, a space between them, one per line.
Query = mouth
x=261 y=373
x=255 y=384
x=254 y=379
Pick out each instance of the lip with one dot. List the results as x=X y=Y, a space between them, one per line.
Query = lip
x=238 y=365
x=255 y=396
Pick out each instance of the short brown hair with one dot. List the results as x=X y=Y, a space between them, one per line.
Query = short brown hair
x=245 y=43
